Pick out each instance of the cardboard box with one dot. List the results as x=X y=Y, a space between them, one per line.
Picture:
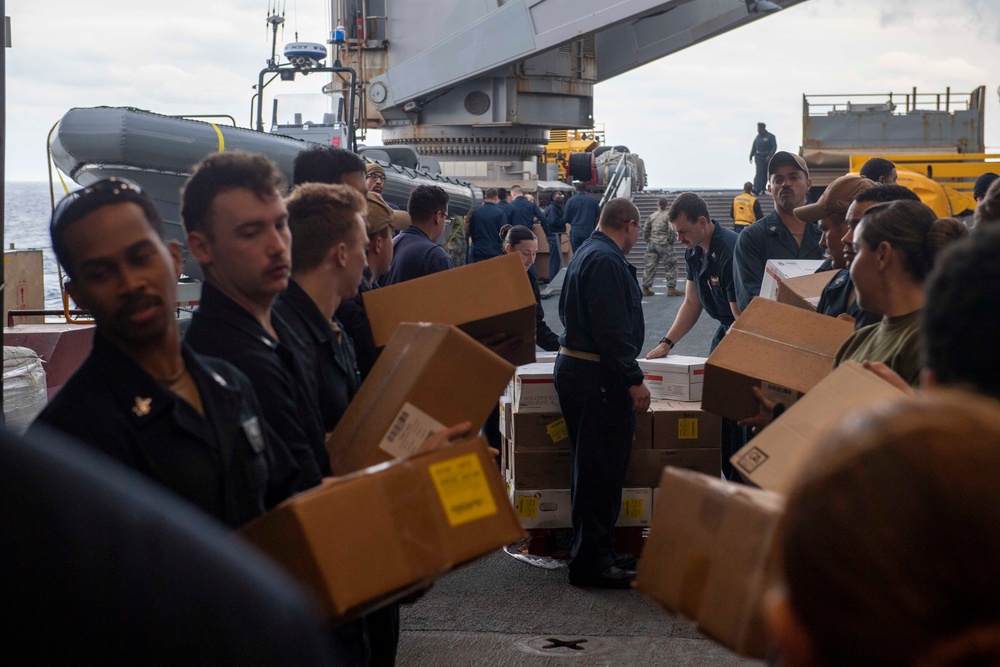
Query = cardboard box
x=681 y=425
x=771 y=459
x=539 y=431
x=505 y=417
x=420 y=384
x=709 y=556
x=482 y=299
x=643 y=436
x=781 y=349
x=645 y=466
x=778 y=270
x=674 y=378
x=535 y=389
x=541 y=469
x=804 y=291
x=550 y=508
x=362 y=541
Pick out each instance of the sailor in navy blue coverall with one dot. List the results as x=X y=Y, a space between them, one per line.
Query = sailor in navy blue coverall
x=600 y=389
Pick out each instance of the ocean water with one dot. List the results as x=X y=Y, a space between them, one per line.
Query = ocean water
x=27 y=209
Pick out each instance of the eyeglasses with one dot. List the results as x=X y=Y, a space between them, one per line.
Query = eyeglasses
x=377 y=177
x=106 y=191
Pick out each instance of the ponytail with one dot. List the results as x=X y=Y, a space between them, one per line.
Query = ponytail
x=514 y=234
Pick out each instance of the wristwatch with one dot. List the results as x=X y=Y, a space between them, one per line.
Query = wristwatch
x=668 y=342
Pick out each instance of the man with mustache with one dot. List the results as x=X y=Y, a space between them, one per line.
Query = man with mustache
x=778 y=235
x=189 y=422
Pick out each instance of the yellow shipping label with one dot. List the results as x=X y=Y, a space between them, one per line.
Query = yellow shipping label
x=687 y=429
x=557 y=430
x=632 y=508
x=462 y=487
x=527 y=507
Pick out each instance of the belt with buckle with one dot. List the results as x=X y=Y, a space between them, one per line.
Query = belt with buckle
x=576 y=354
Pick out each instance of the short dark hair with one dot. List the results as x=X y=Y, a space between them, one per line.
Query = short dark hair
x=516 y=190
x=960 y=313
x=81 y=203
x=325 y=164
x=876 y=167
x=913 y=229
x=514 y=234
x=502 y=193
x=321 y=215
x=988 y=211
x=662 y=203
x=490 y=193
x=691 y=205
x=581 y=186
x=425 y=201
x=884 y=192
x=219 y=172
x=617 y=212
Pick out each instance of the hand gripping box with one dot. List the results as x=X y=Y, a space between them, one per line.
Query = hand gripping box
x=781 y=349
x=420 y=384
x=674 y=378
x=778 y=270
x=773 y=457
x=482 y=299
x=710 y=557
x=364 y=540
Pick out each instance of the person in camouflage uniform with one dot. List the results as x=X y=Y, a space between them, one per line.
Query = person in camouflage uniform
x=660 y=239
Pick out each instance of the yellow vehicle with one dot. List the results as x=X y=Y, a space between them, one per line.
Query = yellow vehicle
x=943 y=181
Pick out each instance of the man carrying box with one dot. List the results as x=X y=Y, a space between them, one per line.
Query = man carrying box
x=710 y=287
x=778 y=235
x=600 y=387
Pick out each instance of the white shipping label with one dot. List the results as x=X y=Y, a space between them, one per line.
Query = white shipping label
x=408 y=431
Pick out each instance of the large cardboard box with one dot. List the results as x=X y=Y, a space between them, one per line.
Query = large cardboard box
x=550 y=508
x=643 y=436
x=539 y=431
x=422 y=382
x=535 y=388
x=364 y=540
x=683 y=425
x=482 y=299
x=804 y=291
x=781 y=349
x=645 y=466
x=778 y=270
x=675 y=377
x=541 y=469
x=709 y=556
x=772 y=458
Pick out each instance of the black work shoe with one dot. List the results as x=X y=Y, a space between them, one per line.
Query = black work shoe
x=613 y=577
x=627 y=562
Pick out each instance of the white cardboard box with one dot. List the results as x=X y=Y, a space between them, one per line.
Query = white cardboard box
x=780 y=269
x=676 y=378
x=550 y=508
x=535 y=389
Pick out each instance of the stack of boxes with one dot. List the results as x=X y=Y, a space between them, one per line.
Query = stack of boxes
x=536 y=444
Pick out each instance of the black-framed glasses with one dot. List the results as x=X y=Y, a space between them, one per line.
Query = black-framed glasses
x=106 y=191
x=378 y=177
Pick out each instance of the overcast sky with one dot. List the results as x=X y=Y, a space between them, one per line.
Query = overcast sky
x=692 y=116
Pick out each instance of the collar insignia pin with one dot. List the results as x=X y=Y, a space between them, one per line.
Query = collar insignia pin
x=141 y=408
